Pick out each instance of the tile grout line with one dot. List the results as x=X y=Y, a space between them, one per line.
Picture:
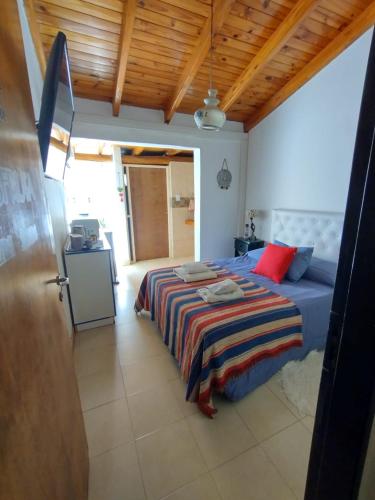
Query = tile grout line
x=133 y=432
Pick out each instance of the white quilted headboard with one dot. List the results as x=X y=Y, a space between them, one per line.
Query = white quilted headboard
x=322 y=230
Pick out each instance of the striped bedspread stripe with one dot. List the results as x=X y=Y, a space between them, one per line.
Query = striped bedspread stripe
x=214 y=342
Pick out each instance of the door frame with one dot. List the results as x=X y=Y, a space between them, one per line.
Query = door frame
x=346 y=402
x=129 y=209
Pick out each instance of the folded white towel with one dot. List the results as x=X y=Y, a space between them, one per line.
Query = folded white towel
x=211 y=298
x=194 y=267
x=226 y=286
x=189 y=278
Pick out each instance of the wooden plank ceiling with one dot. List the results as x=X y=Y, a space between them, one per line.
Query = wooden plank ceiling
x=155 y=53
x=101 y=151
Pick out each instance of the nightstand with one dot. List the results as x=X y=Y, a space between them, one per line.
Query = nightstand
x=242 y=245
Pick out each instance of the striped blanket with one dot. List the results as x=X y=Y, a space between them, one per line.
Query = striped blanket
x=215 y=342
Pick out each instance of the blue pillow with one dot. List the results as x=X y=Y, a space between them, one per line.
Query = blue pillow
x=300 y=262
x=321 y=271
x=256 y=254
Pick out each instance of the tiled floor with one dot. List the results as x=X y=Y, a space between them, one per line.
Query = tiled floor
x=146 y=442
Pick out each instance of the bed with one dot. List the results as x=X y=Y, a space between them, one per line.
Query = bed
x=221 y=362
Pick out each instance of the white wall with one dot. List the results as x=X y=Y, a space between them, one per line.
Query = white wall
x=54 y=190
x=221 y=212
x=300 y=156
x=180 y=180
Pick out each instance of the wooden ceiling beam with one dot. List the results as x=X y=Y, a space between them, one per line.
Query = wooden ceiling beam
x=128 y=18
x=137 y=150
x=92 y=157
x=199 y=54
x=353 y=31
x=35 y=35
x=273 y=45
x=173 y=152
x=153 y=160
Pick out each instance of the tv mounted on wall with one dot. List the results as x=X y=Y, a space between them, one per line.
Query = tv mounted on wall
x=57 y=111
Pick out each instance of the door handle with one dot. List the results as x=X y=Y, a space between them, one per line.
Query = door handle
x=59 y=281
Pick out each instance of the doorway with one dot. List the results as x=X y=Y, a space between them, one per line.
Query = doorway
x=160 y=201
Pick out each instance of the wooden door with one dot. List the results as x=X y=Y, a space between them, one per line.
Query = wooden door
x=43 y=449
x=148 y=192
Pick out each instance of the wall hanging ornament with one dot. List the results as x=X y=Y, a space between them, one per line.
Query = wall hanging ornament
x=224 y=177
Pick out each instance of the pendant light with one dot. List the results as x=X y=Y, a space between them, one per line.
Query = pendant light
x=210 y=117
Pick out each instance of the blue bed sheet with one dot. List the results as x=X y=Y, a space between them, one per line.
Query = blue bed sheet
x=313 y=300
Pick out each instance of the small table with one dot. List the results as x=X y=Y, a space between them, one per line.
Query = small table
x=243 y=245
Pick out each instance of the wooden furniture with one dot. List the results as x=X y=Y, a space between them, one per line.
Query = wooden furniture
x=155 y=54
x=43 y=444
x=91 y=295
x=243 y=245
x=149 y=212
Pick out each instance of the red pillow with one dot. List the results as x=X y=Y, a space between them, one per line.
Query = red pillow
x=275 y=262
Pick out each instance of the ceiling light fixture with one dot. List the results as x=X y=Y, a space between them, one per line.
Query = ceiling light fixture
x=210 y=117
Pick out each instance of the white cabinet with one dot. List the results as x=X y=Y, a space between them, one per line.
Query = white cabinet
x=91 y=292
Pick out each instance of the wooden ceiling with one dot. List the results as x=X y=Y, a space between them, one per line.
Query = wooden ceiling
x=155 y=53
x=101 y=151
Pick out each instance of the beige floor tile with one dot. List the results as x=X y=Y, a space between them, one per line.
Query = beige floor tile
x=251 y=476
x=140 y=346
x=309 y=422
x=96 y=337
x=100 y=388
x=115 y=475
x=264 y=413
x=276 y=387
x=150 y=410
x=221 y=438
x=289 y=451
x=169 y=459
x=179 y=389
x=108 y=426
x=134 y=327
x=203 y=488
x=149 y=373
x=89 y=361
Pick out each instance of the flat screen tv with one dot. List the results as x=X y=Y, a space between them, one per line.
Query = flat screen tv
x=57 y=111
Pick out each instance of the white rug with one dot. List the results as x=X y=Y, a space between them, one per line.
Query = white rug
x=300 y=381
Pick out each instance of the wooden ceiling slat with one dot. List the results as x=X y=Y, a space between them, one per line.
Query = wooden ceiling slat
x=173 y=12
x=158 y=49
x=192 y=5
x=83 y=47
x=157 y=59
x=77 y=55
x=148 y=78
x=35 y=34
x=163 y=32
x=249 y=48
x=128 y=18
x=341 y=8
x=91 y=68
x=78 y=78
x=82 y=7
x=137 y=59
x=153 y=160
x=167 y=22
x=363 y=22
x=67 y=14
x=301 y=10
x=69 y=25
x=159 y=41
x=116 y=5
x=46 y=29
